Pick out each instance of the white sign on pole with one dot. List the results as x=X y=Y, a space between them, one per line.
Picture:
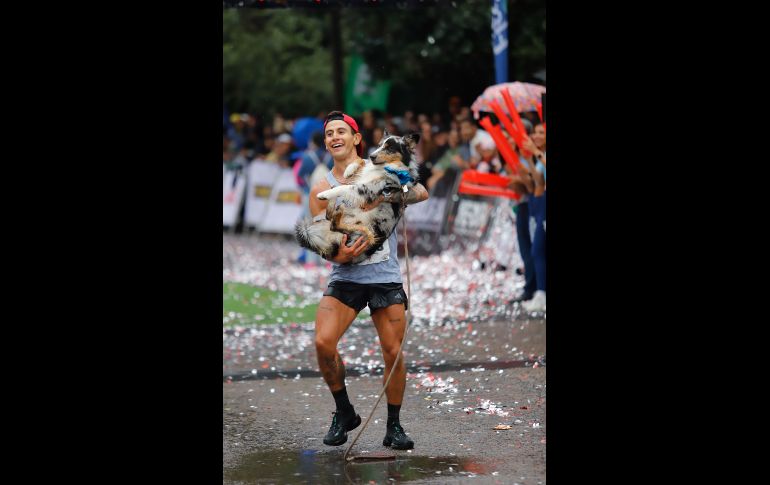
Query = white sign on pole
x=472 y=217
x=429 y=215
x=285 y=206
x=262 y=176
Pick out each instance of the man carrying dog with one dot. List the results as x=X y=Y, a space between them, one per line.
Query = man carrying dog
x=375 y=282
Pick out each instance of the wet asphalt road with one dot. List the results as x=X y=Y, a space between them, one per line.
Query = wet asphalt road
x=272 y=428
x=448 y=414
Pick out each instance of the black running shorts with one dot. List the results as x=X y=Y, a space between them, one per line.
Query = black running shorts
x=376 y=295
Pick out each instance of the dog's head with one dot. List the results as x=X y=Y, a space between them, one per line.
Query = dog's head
x=395 y=149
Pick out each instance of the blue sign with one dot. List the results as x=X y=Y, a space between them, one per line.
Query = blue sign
x=500 y=39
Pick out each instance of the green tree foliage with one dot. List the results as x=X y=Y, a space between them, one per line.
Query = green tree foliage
x=429 y=53
x=280 y=59
x=526 y=39
x=276 y=61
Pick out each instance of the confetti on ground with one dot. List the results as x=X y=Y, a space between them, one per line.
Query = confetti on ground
x=454 y=293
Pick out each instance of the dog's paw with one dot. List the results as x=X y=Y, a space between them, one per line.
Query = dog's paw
x=323 y=195
x=350 y=170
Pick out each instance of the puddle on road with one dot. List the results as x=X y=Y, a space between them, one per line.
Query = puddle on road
x=310 y=466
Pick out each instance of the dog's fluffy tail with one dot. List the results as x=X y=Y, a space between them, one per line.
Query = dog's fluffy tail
x=318 y=237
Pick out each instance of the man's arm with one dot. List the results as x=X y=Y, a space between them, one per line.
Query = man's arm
x=318 y=206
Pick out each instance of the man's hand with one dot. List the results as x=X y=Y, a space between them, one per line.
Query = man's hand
x=416 y=194
x=347 y=254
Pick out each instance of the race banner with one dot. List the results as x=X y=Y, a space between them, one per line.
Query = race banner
x=285 y=206
x=262 y=176
x=426 y=221
x=472 y=217
x=429 y=215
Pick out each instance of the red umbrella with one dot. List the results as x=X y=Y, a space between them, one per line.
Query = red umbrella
x=526 y=97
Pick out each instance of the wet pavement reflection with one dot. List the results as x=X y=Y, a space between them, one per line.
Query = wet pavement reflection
x=312 y=466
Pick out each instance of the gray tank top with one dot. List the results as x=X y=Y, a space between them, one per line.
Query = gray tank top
x=381 y=267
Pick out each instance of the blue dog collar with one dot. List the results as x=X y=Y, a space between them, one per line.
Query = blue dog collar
x=403 y=175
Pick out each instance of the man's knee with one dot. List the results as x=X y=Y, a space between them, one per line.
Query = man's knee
x=325 y=345
x=390 y=352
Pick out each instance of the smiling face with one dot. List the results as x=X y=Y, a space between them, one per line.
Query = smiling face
x=538 y=136
x=340 y=140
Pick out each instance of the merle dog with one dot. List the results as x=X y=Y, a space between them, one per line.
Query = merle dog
x=370 y=205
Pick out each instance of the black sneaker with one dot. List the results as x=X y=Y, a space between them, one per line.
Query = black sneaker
x=338 y=431
x=396 y=438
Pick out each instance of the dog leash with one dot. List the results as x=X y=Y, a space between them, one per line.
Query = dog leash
x=408 y=322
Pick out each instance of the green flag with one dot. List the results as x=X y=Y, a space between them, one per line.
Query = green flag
x=362 y=92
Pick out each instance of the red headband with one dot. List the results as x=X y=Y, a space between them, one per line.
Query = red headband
x=347 y=119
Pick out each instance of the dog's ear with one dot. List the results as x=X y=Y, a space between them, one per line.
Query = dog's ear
x=411 y=140
x=385 y=134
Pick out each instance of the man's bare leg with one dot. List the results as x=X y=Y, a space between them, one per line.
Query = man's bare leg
x=390 y=323
x=333 y=318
